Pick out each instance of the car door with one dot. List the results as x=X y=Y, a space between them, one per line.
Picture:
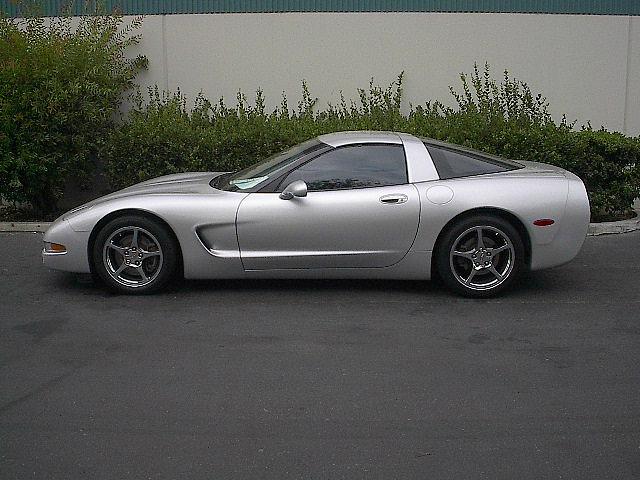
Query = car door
x=359 y=212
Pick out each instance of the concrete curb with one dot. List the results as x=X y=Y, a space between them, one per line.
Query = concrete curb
x=622 y=226
x=24 y=226
x=610 y=228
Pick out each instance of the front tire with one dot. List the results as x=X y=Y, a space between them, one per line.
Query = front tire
x=134 y=254
x=480 y=256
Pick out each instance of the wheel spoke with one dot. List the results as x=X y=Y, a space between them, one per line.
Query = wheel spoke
x=134 y=240
x=466 y=255
x=142 y=274
x=480 y=240
x=471 y=275
x=493 y=270
x=115 y=247
x=497 y=250
x=121 y=268
x=147 y=254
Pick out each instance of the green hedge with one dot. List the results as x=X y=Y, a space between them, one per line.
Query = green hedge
x=61 y=84
x=163 y=136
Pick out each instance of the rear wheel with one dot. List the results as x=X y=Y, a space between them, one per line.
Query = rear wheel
x=480 y=256
x=135 y=254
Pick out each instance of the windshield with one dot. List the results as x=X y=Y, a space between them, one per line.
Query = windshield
x=266 y=169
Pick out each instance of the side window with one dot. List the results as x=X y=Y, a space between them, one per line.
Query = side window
x=356 y=166
x=452 y=164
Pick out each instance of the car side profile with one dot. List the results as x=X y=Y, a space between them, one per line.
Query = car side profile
x=342 y=205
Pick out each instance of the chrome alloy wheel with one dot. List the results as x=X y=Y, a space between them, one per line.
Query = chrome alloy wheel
x=482 y=257
x=132 y=256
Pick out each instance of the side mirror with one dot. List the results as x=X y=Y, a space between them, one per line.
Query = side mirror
x=294 y=189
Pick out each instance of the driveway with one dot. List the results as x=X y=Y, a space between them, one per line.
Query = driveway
x=322 y=379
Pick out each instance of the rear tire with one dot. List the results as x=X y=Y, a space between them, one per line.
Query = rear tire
x=480 y=256
x=134 y=254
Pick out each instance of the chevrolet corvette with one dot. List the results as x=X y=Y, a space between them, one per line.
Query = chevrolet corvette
x=342 y=205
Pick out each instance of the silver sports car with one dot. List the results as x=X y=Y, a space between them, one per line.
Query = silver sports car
x=343 y=205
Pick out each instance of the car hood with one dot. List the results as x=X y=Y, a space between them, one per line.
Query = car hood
x=180 y=183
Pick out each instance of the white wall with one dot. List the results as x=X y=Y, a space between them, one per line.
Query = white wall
x=588 y=66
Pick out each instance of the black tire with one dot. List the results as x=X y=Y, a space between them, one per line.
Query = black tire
x=480 y=270
x=150 y=264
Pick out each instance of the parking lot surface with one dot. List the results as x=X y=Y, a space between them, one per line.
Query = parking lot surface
x=322 y=379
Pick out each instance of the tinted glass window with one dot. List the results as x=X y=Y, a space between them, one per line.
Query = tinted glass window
x=265 y=170
x=453 y=164
x=353 y=167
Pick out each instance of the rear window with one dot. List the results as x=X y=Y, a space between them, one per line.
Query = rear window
x=452 y=163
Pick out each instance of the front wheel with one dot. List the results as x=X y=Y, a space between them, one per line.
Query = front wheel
x=480 y=256
x=135 y=254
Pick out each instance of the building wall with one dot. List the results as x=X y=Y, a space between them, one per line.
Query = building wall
x=588 y=66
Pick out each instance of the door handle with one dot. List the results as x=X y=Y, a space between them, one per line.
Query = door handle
x=394 y=199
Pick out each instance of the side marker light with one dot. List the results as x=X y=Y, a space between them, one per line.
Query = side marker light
x=50 y=247
x=544 y=222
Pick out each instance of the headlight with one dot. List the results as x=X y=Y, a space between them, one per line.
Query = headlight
x=73 y=211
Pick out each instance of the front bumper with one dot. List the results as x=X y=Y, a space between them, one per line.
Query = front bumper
x=76 y=258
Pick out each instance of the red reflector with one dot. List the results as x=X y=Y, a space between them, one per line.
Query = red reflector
x=544 y=222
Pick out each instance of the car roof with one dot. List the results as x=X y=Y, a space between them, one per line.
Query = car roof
x=339 y=139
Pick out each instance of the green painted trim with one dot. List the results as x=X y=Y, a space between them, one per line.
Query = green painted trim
x=15 y=8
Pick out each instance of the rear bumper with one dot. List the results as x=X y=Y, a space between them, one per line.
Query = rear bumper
x=570 y=237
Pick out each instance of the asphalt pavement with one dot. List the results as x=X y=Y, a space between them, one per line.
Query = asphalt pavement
x=322 y=379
